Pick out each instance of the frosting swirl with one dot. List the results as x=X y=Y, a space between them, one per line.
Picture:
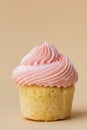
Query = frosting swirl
x=44 y=66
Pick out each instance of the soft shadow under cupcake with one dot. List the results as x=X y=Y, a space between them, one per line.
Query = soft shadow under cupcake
x=81 y=114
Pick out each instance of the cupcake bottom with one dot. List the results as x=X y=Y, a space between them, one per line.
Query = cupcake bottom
x=46 y=103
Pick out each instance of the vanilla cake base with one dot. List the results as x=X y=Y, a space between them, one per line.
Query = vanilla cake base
x=46 y=103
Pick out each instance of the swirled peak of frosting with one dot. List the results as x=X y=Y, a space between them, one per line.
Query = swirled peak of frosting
x=45 y=66
x=44 y=54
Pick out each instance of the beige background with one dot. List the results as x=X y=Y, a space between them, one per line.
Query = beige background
x=26 y=23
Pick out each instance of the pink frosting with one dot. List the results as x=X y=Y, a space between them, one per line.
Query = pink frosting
x=44 y=66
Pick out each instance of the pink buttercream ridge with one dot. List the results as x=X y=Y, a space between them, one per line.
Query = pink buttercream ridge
x=45 y=53
x=44 y=66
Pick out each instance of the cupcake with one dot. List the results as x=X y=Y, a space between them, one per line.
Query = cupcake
x=46 y=81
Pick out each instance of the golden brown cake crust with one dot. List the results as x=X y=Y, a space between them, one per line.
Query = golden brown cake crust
x=46 y=103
